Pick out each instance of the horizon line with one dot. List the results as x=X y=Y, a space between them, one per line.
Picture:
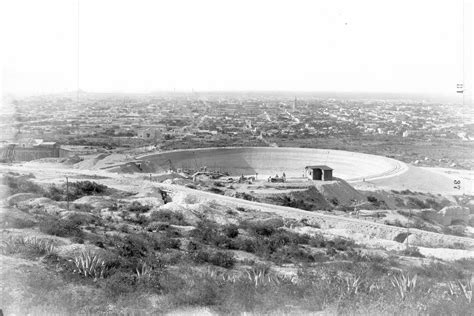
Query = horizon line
x=256 y=91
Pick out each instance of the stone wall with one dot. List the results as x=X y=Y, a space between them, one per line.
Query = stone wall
x=27 y=154
x=33 y=153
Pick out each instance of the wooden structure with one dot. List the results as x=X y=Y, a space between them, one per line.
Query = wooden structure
x=319 y=172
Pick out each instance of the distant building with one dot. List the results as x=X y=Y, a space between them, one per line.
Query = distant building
x=149 y=134
x=31 y=149
x=318 y=172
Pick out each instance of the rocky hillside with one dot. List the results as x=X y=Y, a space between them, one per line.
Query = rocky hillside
x=123 y=244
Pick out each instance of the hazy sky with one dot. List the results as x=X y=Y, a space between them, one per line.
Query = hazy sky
x=141 y=46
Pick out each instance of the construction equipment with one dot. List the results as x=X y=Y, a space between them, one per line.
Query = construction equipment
x=210 y=174
x=276 y=179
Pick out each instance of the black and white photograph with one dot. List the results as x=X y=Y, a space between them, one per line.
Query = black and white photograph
x=236 y=157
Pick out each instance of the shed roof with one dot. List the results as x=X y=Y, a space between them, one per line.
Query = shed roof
x=323 y=167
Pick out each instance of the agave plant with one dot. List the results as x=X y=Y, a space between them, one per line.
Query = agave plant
x=404 y=284
x=40 y=245
x=258 y=276
x=263 y=276
x=27 y=244
x=465 y=288
x=452 y=289
x=221 y=276
x=90 y=265
x=143 y=271
x=229 y=278
x=9 y=246
x=374 y=287
x=352 y=284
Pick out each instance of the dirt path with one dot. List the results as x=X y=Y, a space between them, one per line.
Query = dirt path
x=356 y=225
x=134 y=182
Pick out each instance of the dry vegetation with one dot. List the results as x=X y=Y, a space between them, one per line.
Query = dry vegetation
x=148 y=260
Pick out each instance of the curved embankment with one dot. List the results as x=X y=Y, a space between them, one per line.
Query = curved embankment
x=430 y=180
x=419 y=237
x=268 y=161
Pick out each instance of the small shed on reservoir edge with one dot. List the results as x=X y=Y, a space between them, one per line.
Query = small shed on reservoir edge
x=318 y=172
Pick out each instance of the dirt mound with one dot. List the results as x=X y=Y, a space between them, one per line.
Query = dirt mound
x=449 y=215
x=149 y=201
x=186 y=198
x=320 y=196
x=166 y=176
x=20 y=197
x=15 y=218
x=198 y=210
x=79 y=217
x=216 y=213
x=72 y=160
x=102 y=161
x=40 y=205
x=446 y=253
x=339 y=190
x=455 y=214
x=310 y=199
x=190 y=215
x=96 y=201
x=130 y=167
x=87 y=163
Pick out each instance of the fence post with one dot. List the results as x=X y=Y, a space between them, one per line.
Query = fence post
x=67 y=192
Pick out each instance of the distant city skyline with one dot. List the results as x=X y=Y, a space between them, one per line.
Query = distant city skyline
x=303 y=46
